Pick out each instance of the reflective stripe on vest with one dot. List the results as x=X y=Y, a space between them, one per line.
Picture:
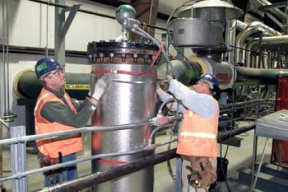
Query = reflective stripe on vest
x=199 y=134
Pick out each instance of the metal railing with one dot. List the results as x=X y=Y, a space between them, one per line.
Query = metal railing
x=19 y=139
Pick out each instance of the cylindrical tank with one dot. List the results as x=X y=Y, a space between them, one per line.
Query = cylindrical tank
x=129 y=99
x=211 y=10
x=192 y=32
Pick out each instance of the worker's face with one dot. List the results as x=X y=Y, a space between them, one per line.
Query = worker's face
x=56 y=79
x=201 y=86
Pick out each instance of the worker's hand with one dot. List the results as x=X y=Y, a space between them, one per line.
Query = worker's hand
x=157 y=86
x=162 y=84
x=169 y=78
x=100 y=86
x=159 y=89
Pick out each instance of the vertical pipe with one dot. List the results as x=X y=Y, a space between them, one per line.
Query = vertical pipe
x=2 y=94
x=18 y=159
x=59 y=39
x=1 y=152
x=260 y=63
x=150 y=14
x=7 y=60
x=3 y=55
x=47 y=30
x=227 y=39
x=236 y=25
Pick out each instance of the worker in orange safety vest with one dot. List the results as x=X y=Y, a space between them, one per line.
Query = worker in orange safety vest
x=197 y=138
x=56 y=111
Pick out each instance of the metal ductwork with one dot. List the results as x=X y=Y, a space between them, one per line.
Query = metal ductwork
x=201 y=25
x=254 y=27
x=275 y=11
x=272 y=42
x=212 y=10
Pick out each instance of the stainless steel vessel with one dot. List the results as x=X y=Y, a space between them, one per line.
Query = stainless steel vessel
x=129 y=99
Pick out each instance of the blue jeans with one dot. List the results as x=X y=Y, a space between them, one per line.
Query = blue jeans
x=64 y=174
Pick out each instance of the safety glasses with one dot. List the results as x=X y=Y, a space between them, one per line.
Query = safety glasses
x=57 y=71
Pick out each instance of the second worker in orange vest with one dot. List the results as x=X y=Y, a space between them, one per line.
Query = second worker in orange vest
x=197 y=138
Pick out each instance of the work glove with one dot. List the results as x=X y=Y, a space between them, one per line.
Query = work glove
x=91 y=83
x=100 y=86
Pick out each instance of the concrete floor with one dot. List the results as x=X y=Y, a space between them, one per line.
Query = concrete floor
x=238 y=157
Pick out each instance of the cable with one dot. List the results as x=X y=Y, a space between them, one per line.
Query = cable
x=176 y=124
x=141 y=32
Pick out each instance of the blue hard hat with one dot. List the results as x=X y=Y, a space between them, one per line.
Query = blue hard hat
x=45 y=65
x=209 y=78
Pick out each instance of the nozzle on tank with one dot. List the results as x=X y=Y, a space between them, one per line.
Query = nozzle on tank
x=125 y=15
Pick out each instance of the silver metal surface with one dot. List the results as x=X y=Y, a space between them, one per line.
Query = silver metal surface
x=275 y=11
x=225 y=74
x=185 y=71
x=18 y=159
x=190 y=32
x=253 y=27
x=253 y=45
x=212 y=10
x=269 y=76
x=126 y=101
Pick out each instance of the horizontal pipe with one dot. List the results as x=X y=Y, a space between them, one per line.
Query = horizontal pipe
x=268 y=76
x=229 y=134
x=116 y=172
x=243 y=104
x=26 y=85
x=72 y=132
x=41 y=51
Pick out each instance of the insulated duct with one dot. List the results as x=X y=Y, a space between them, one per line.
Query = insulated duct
x=266 y=76
x=26 y=85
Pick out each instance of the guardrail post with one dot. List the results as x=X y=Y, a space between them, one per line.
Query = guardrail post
x=18 y=159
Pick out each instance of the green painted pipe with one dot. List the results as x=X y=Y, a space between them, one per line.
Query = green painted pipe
x=186 y=71
x=26 y=85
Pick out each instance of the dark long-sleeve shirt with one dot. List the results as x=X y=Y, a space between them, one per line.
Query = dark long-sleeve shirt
x=57 y=112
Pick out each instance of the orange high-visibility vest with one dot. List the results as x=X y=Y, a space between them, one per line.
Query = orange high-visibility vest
x=48 y=147
x=198 y=135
